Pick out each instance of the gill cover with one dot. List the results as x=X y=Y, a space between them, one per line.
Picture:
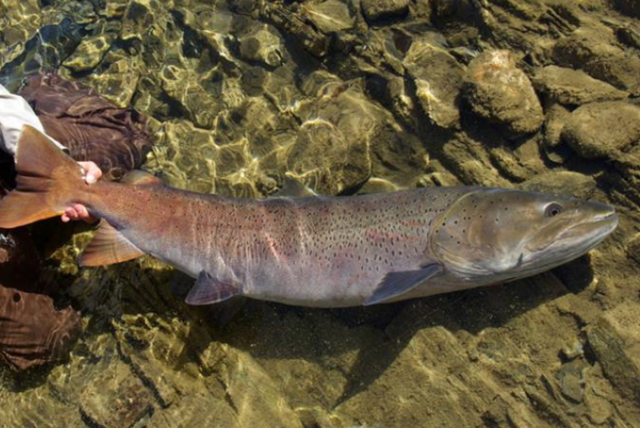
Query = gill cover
x=483 y=232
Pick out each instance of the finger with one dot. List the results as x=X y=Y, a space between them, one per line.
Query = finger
x=92 y=172
x=69 y=214
x=81 y=211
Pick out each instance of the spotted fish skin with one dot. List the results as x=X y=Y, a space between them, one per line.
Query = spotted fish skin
x=313 y=251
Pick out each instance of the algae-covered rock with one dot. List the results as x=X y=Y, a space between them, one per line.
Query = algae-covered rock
x=329 y=16
x=615 y=340
x=264 y=45
x=328 y=160
x=496 y=90
x=596 y=54
x=574 y=87
x=438 y=79
x=629 y=7
x=378 y=9
x=89 y=53
x=566 y=183
x=115 y=398
x=601 y=129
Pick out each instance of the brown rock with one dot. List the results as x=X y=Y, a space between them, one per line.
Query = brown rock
x=378 y=9
x=500 y=93
x=596 y=54
x=615 y=341
x=562 y=183
x=599 y=130
x=629 y=7
x=574 y=87
x=115 y=398
x=438 y=78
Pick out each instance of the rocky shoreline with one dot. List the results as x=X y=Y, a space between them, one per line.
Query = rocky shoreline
x=353 y=96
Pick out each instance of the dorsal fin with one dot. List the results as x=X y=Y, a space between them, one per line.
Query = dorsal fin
x=141 y=178
x=107 y=247
x=293 y=188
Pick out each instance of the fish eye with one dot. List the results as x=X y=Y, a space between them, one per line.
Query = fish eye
x=553 y=209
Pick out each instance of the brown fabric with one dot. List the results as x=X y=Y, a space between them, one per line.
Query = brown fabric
x=32 y=331
x=91 y=127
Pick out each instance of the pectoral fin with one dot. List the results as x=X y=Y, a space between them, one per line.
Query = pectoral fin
x=208 y=290
x=397 y=283
x=108 y=246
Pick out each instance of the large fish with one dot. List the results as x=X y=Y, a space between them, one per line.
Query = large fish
x=312 y=251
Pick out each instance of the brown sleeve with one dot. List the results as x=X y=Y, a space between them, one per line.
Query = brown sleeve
x=90 y=126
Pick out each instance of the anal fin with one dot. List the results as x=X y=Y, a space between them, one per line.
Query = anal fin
x=108 y=247
x=209 y=290
x=395 y=284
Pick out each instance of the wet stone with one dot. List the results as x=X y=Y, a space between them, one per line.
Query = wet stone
x=116 y=398
x=596 y=54
x=88 y=54
x=615 y=341
x=329 y=16
x=633 y=248
x=496 y=90
x=118 y=84
x=629 y=7
x=599 y=130
x=438 y=79
x=263 y=45
x=562 y=183
x=574 y=87
x=571 y=378
x=379 y=9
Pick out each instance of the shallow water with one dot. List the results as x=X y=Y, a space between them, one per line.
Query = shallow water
x=350 y=97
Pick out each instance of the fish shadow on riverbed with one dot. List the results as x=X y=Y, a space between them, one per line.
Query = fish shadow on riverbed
x=379 y=334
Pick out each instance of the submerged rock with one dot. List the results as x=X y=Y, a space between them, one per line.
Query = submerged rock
x=629 y=7
x=596 y=54
x=615 y=340
x=378 y=9
x=599 y=130
x=329 y=16
x=574 y=87
x=496 y=90
x=263 y=45
x=89 y=53
x=566 y=183
x=116 y=398
x=438 y=79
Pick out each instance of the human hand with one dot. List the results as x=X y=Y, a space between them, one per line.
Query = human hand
x=92 y=173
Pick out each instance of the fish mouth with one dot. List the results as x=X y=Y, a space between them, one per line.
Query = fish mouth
x=573 y=242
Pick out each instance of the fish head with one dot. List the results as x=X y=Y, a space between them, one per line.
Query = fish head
x=497 y=235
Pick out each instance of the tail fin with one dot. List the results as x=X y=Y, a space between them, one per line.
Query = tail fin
x=45 y=183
